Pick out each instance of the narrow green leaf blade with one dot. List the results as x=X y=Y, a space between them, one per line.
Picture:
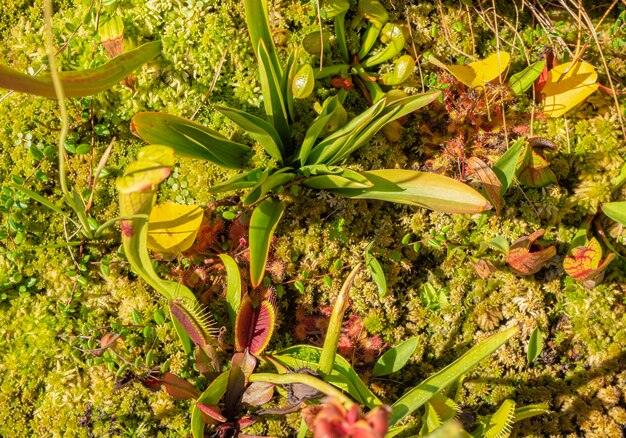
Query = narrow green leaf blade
x=275 y=105
x=616 y=211
x=395 y=358
x=416 y=397
x=334 y=142
x=421 y=189
x=258 y=129
x=241 y=180
x=233 y=286
x=263 y=223
x=378 y=275
x=258 y=24
x=83 y=82
x=189 y=138
x=43 y=201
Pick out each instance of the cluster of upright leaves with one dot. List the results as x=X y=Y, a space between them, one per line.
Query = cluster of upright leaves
x=315 y=161
x=381 y=41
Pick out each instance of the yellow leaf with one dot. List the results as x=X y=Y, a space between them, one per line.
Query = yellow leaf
x=573 y=88
x=173 y=227
x=477 y=74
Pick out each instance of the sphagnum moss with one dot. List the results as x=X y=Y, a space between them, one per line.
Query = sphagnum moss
x=47 y=389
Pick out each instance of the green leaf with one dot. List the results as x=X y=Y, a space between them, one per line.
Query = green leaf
x=421 y=189
x=343 y=376
x=535 y=345
x=82 y=82
x=534 y=170
x=392 y=35
x=332 y=8
x=262 y=226
x=358 y=132
x=233 y=286
x=241 y=180
x=376 y=271
x=273 y=99
x=291 y=67
x=334 y=142
x=402 y=70
x=265 y=185
x=189 y=138
x=183 y=336
x=395 y=358
x=137 y=193
x=303 y=82
x=505 y=167
x=499 y=423
x=525 y=79
x=258 y=25
x=332 y=117
x=616 y=211
x=43 y=201
x=258 y=129
x=499 y=243
x=211 y=396
x=416 y=397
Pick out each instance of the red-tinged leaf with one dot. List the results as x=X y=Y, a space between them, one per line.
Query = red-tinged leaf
x=245 y=422
x=258 y=393
x=196 y=322
x=526 y=257
x=211 y=414
x=585 y=263
x=489 y=180
x=534 y=170
x=177 y=387
x=151 y=383
x=246 y=362
x=254 y=325
x=542 y=79
x=207 y=360
x=83 y=82
x=484 y=268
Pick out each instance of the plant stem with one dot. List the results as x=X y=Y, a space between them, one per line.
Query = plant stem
x=58 y=88
x=304 y=379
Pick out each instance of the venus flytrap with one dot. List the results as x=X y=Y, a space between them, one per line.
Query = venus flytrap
x=335 y=373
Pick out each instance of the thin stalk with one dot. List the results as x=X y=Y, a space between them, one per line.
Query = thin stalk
x=304 y=379
x=329 y=351
x=58 y=88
